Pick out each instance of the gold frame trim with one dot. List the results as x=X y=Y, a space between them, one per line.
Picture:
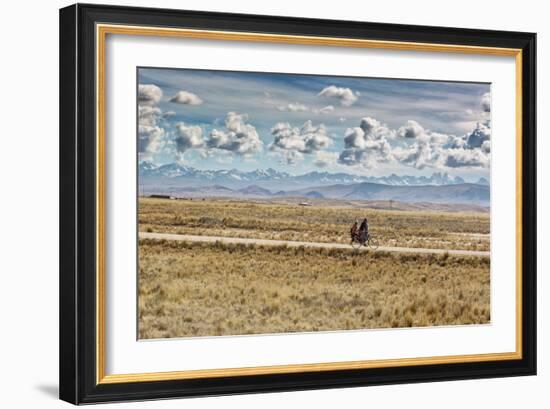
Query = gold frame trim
x=102 y=30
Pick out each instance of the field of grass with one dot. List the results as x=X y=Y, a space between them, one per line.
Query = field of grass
x=205 y=289
x=328 y=223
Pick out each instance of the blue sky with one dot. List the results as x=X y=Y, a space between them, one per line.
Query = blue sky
x=300 y=123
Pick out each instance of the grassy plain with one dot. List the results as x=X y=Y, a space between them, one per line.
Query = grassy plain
x=204 y=289
x=329 y=222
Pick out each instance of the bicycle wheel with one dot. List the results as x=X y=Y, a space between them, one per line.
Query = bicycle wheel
x=356 y=244
x=373 y=243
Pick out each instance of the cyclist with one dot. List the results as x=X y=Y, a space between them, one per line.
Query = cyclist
x=364 y=229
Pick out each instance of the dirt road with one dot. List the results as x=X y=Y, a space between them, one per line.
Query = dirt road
x=264 y=242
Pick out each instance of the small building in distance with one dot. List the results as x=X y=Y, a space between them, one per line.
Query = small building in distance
x=157 y=196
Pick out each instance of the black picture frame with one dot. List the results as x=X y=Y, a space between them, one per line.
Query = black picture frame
x=78 y=312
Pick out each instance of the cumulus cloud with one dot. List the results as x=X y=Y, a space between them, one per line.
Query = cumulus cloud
x=457 y=158
x=367 y=144
x=413 y=130
x=418 y=155
x=148 y=115
x=438 y=150
x=150 y=133
x=238 y=136
x=375 y=129
x=480 y=135
x=188 y=137
x=186 y=98
x=486 y=102
x=149 y=94
x=150 y=139
x=413 y=145
x=456 y=142
x=372 y=153
x=470 y=150
x=345 y=95
x=293 y=142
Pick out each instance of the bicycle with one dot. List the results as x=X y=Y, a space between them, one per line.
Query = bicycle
x=369 y=241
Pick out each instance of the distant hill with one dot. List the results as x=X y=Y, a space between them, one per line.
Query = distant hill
x=465 y=193
x=315 y=194
x=255 y=191
x=459 y=193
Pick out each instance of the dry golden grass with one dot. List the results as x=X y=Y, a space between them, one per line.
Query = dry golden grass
x=232 y=218
x=199 y=289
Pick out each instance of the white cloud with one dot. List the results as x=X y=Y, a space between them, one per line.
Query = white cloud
x=293 y=142
x=148 y=115
x=367 y=144
x=291 y=157
x=486 y=102
x=293 y=107
x=188 y=137
x=418 y=155
x=149 y=94
x=456 y=142
x=457 y=158
x=433 y=149
x=440 y=150
x=186 y=98
x=324 y=110
x=373 y=153
x=150 y=138
x=412 y=130
x=238 y=136
x=355 y=138
x=375 y=129
x=345 y=95
x=480 y=135
x=298 y=107
x=150 y=133
x=325 y=158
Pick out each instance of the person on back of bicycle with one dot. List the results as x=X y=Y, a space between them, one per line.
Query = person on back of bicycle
x=353 y=230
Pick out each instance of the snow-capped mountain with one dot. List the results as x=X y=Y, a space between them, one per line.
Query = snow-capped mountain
x=174 y=174
x=175 y=170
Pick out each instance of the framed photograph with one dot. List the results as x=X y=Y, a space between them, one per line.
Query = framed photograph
x=258 y=203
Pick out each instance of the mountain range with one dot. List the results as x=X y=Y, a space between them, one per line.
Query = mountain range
x=174 y=174
x=182 y=181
